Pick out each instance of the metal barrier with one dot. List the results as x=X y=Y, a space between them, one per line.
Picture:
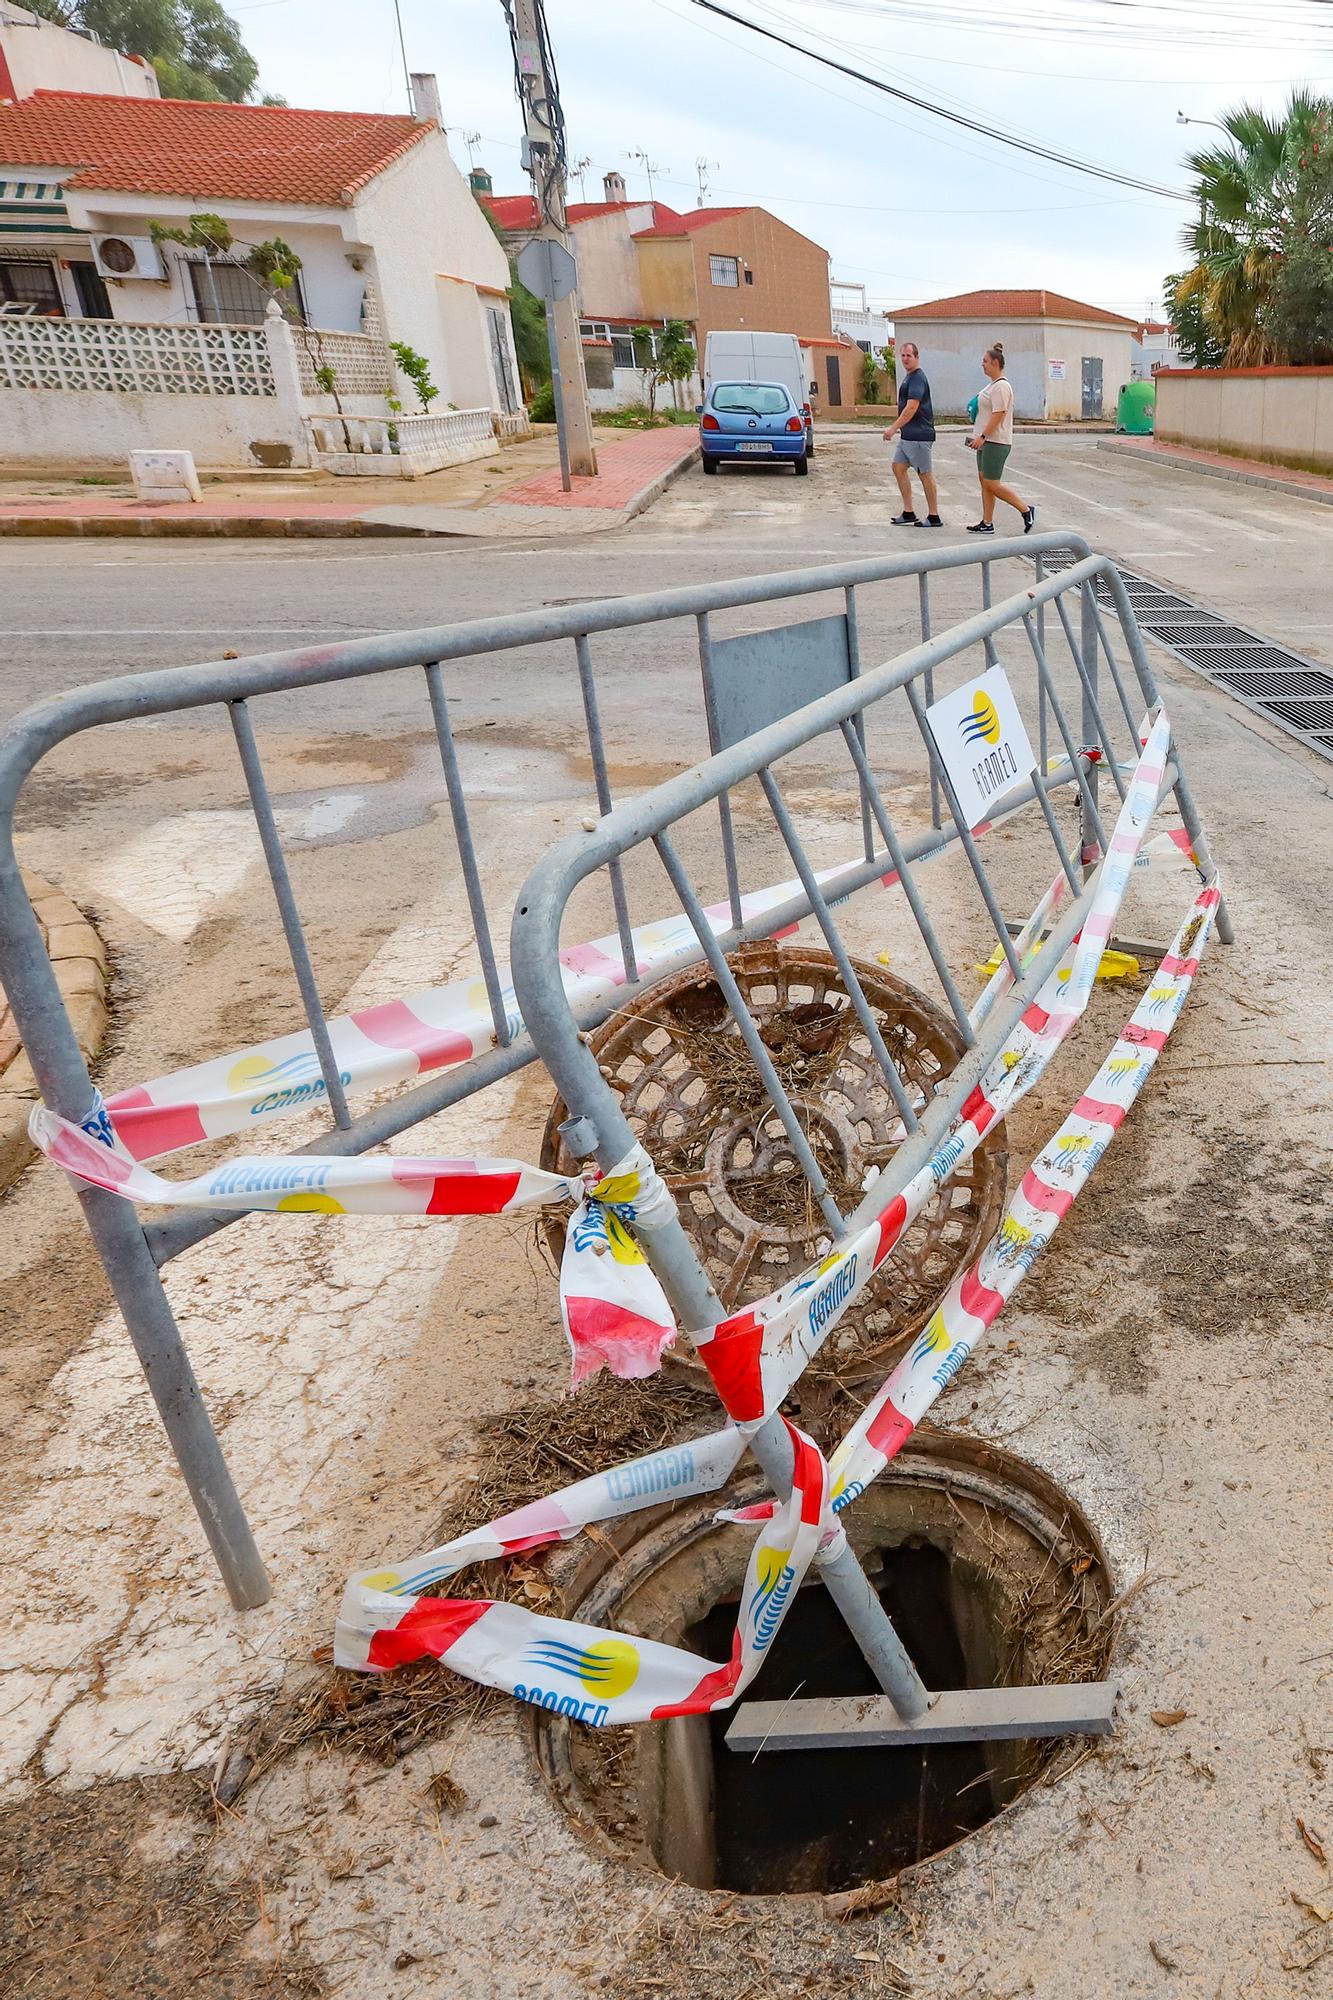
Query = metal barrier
x=599 y=1129
x=131 y=1252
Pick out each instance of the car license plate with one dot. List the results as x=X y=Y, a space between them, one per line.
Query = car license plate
x=747 y=446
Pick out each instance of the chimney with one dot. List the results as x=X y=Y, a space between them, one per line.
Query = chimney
x=426 y=98
x=613 y=187
x=480 y=181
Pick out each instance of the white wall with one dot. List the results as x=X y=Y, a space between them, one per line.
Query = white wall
x=332 y=289
x=1070 y=341
x=951 y=351
x=423 y=223
x=42 y=56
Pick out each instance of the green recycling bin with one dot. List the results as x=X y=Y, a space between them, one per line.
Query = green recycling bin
x=1136 y=408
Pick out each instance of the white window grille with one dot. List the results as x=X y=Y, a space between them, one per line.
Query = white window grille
x=724 y=271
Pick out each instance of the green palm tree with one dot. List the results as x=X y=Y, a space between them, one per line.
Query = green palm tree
x=1246 y=193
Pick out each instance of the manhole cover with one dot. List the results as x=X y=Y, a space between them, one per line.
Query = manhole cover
x=992 y=1576
x=693 y=1096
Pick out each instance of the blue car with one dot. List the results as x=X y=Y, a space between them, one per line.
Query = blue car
x=752 y=420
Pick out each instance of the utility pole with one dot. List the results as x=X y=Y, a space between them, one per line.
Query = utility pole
x=545 y=159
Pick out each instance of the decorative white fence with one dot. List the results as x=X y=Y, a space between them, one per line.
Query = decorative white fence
x=101 y=354
x=360 y=363
x=401 y=447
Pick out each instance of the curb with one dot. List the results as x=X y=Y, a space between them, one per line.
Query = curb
x=78 y=958
x=310 y=527
x=655 y=488
x=1238 y=476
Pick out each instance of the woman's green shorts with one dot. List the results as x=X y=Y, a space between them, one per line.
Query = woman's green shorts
x=993 y=457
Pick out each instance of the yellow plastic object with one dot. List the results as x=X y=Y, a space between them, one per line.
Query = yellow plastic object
x=1114 y=965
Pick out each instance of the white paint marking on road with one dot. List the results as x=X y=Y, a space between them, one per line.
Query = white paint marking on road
x=1083 y=499
x=173 y=875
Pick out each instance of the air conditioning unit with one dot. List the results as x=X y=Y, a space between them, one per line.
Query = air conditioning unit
x=128 y=257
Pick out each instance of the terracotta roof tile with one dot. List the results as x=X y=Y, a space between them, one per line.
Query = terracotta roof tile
x=234 y=152
x=1010 y=305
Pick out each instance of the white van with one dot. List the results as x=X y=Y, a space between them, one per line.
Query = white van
x=761 y=357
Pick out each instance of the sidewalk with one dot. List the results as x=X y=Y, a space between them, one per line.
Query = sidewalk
x=516 y=493
x=1221 y=465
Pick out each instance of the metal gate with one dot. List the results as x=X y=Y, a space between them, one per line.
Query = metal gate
x=1092 y=385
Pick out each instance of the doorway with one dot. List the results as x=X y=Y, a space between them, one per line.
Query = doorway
x=1092 y=385
x=834 y=381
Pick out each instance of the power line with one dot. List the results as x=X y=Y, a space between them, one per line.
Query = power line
x=939 y=111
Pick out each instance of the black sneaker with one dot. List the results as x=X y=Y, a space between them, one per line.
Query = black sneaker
x=981 y=528
x=907 y=520
x=1029 y=520
x=931 y=521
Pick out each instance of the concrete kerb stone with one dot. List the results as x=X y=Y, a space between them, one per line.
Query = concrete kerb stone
x=1237 y=475
x=79 y=959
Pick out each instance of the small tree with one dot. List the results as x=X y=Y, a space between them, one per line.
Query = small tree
x=417 y=370
x=667 y=356
x=869 y=378
x=1188 y=320
x=676 y=356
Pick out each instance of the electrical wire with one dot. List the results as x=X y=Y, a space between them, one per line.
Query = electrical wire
x=958 y=118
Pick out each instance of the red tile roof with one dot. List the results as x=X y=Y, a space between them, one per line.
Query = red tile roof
x=686 y=223
x=1010 y=305
x=519 y=211
x=235 y=152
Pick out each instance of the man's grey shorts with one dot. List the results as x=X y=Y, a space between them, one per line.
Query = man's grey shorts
x=914 y=452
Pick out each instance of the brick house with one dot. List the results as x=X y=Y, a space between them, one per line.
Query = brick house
x=642 y=263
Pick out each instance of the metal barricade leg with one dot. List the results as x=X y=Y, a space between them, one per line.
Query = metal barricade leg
x=126 y=1258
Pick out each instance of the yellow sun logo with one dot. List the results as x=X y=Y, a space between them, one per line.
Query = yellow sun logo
x=608 y=1668
x=983 y=725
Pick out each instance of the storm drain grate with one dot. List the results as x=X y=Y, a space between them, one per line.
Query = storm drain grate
x=1270 y=682
x=1181 y=632
x=1293 y=692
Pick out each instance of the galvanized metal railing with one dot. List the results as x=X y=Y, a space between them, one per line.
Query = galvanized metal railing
x=598 y=1127
x=828 y=662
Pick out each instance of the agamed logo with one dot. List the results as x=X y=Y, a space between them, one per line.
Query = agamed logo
x=605 y=1670
x=996 y=766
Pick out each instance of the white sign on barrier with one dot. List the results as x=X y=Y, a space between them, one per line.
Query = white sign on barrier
x=982 y=743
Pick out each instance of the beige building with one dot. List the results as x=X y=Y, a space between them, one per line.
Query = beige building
x=1064 y=358
x=718 y=269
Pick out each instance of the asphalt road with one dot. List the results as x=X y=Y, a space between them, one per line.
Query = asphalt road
x=76 y=610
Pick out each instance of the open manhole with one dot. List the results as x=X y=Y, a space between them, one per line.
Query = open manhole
x=691 y=1092
x=992 y=1576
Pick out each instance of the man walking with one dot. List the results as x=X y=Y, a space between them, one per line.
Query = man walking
x=914 y=430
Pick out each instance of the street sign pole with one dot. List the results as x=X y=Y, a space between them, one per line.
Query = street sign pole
x=548 y=270
x=545 y=161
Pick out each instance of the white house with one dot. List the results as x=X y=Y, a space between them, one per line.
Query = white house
x=391 y=242
x=1064 y=358
x=1154 y=346
x=854 y=319
x=37 y=54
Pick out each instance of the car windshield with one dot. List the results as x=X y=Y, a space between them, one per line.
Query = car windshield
x=751 y=399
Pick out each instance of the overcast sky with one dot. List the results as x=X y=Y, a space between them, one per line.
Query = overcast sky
x=906 y=204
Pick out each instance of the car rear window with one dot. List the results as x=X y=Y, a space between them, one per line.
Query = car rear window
x=754 y=399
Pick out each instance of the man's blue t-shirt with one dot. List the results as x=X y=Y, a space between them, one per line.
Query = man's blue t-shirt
x=921 y=430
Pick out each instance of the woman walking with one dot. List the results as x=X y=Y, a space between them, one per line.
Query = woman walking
x=992 y=440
